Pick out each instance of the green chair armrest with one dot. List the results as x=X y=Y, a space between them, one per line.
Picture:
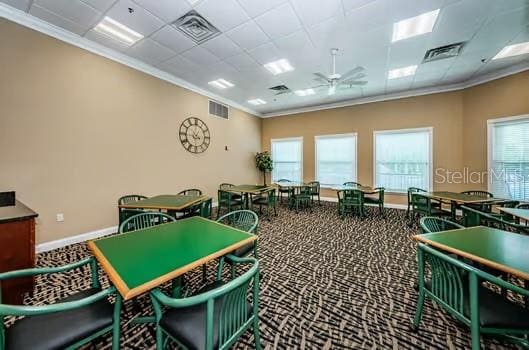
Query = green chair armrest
x=46 y=270
x=26 y=310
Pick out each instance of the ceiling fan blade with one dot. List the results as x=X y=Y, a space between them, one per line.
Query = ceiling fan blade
x=354 y=82
x=320 y=76
x=320 y=86
x=352 y=72
x=354 y=77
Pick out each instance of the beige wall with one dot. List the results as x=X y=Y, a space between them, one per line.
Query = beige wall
x=458 y=120
x=77 y=131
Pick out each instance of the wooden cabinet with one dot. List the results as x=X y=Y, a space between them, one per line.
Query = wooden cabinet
x=17 y=249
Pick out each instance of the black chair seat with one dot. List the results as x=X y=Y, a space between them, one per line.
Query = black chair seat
x=62 y=329
x=244 y=250
x=371 y=200
x=188 y=324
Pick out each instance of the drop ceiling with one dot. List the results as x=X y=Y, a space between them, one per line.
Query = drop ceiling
x=256 y=32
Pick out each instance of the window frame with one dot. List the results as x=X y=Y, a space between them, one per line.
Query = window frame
x=490 y=141
x=355 y=168
x=429 y=130
x=296 y=138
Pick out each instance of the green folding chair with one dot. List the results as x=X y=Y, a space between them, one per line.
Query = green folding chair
x=145 y=220
x=124 y=213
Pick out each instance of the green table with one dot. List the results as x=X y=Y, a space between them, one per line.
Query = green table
x=247 y=190
x=139 y=261
x=176 y=202
x=365 y=189
x=498 y=249
x=518 y=213
x=455 y=199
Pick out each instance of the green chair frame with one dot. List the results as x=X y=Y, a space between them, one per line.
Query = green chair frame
x=522 y=206
x=431 y=224
x=475 y=217
x=123 y=212
x=350 y=201
x=379 y=200
x=233 y=319
x=28 y=311
x=448 y=279
x=352 y=183
x=288 y=190
x=483 y=194
x=423 y=205
x=315 y=190
x=228 y=200
x=267 y=198
x=190 y=192
x=145 y=220
x=244 y=220
x=226 y=186
x=410 y=191
x=301 y=198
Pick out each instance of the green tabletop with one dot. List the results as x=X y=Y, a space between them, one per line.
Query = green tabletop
x=458 y=197
x=502 y=250
x=165 y=201
x=138 y=261
x=291 y=184
x=365 y=189
x=248 y=188
x=519 y=213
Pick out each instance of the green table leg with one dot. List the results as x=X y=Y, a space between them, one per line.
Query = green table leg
x=453 y=208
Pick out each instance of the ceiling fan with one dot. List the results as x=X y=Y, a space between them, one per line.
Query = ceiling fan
x=335 y=80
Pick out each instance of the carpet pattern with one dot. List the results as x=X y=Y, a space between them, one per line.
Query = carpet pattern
x=327 y=283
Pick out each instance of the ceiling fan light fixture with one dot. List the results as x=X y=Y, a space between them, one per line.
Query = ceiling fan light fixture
x=418 y=25
x=279 y=66
x=402 y=72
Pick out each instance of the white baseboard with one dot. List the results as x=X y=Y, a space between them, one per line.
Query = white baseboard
x=59 y=243
x=386 y=205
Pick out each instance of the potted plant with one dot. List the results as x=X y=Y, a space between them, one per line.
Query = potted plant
x=263 y=162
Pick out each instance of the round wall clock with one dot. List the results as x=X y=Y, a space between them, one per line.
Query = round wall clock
x=194 y=135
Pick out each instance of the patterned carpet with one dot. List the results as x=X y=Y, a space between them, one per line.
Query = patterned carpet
x=327 y=283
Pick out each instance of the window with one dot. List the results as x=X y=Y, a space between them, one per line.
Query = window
x=287 y=155
x=403 y=158
x=335 y=159
x=508 y=154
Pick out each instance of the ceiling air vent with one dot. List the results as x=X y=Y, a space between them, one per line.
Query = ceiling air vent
x=196 y=27
x=218 y=110
x=442 y=52
x=280 y=89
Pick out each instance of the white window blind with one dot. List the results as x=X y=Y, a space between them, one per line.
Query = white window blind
x=287 y=155
x=509 y=159
x=335 y=159
x=403 y=159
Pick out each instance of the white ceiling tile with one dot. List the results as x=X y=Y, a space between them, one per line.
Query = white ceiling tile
x=330 y=33
x=368 y=17
x=173 y=39
x=149 y=51
x=168 y=10
x=222 y=46
x=141 y=20
x=105 y=40
x=242 y=62
x=354 y=4
x=408 y=52
x=256 y=7
x=403 y=9
x=224 y=14
x=296 y=45
x=316 y=11
x=279 y=22
x=100 y=5
x=266 y=53
x=19 y=4
x=178 y=65
x=434 y=66
x=200 y=56
x=52 y=18
x=73 y=10
x=248 y=35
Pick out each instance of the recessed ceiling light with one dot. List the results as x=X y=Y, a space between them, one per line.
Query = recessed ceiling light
x=414 y=26
x=257 y=102
x=279 y=66
x=117 y=31
x=305 y=92
x=513 y=50
x=221 y=84
x=402 y=72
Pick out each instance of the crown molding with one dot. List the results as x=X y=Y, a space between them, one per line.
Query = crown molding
x=15 y=15
x=405 y=94
x=41 y=26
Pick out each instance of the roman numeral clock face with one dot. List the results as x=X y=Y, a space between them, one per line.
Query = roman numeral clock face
x=194 y=135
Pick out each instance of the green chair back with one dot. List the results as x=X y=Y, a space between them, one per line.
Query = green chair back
x=522 y=206
x=421 y=204
x=206 y=208
x=66 y=306
x=475 y=217
x=431 y=224
x=191 y=192
x=144 y=220
x=124 y=213
x=315 y=187
x=351 y=183
x=479 y=193
x=457 y=287
x=245 y=220
x=412 y=190
x=235 y=316
x=225 y=185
